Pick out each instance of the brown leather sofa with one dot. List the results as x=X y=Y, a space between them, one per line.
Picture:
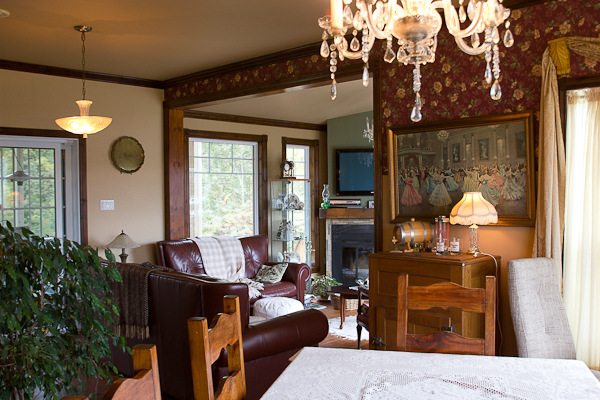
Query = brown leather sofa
x=176 y=296
x=183 y=255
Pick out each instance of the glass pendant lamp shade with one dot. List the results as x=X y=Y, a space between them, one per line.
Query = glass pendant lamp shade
x=84 y=124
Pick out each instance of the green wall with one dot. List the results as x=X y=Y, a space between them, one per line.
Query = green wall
x=346 y=133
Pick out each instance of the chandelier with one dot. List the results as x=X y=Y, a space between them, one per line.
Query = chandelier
x=368 y=133
x=83 y=124
x=415 y=24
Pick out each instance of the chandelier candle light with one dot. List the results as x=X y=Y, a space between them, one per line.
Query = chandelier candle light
x=415 y=24
x=83 y=124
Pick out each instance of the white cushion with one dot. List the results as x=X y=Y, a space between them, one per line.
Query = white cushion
x=272 y=307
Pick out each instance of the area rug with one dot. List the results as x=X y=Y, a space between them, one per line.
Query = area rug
x=349 y=330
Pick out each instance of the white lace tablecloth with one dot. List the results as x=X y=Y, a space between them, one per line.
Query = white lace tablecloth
x=326 y=374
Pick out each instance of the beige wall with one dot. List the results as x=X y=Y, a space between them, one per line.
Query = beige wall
x=273 y=149
x=510 y=243
x=35 y=101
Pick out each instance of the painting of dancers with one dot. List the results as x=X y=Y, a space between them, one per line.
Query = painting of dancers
x=433 y=164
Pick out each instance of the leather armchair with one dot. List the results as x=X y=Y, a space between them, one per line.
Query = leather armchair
x=174 y=297
x=183 y=255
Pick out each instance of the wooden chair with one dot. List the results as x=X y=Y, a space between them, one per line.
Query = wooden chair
x=362 y=318
x=445 y=295
x=205 y=348
x=145 y=385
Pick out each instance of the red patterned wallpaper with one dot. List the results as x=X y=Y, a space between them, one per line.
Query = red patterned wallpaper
x=453 y=86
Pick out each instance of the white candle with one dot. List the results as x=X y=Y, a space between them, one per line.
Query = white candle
x=337 y=12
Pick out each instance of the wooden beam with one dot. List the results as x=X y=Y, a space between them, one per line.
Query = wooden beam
x=240 y=119
x=175 y=147
x=77 y=74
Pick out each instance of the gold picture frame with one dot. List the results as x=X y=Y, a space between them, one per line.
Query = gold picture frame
x=492 y=154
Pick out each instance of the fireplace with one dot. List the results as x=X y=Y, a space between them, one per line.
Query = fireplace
x=351 y=246
x=350 y=240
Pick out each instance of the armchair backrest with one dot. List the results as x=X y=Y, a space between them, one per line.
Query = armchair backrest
x=184 y=256
x=538 y=312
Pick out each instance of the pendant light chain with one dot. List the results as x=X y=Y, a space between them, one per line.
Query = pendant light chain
x=83 y=61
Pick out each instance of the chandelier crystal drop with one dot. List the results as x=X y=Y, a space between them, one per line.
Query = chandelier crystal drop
x=84 y=124
x=415 y=25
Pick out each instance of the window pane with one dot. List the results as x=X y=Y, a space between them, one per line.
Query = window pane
x=221 y=166
x=222 y=150
x=34 y=162
x=36 y=221
x=47 y=193
x=34 y=191
x=8 y=194
x=48 y=222
x=47 y=163
x=242 y=151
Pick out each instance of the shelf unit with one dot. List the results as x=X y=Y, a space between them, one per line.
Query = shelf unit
x=290 y=209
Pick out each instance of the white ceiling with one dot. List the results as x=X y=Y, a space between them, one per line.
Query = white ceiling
x=158 y=39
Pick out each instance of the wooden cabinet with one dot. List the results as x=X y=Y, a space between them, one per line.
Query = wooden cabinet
x=424 y=269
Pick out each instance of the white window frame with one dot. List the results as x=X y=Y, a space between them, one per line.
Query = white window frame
x=72 y=228
x=306 y=159
x=255 y=197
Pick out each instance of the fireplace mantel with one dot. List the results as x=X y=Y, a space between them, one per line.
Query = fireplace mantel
x=352 y=213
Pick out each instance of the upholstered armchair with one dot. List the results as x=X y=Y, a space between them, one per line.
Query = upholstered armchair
x=538 y=312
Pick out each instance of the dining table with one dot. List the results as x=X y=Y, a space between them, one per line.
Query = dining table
x=328 y=374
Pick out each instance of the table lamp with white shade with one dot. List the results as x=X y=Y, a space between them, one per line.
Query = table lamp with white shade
x=122 y=241
x=473 y=210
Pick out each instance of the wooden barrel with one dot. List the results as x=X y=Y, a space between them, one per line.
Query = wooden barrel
x=412 y=232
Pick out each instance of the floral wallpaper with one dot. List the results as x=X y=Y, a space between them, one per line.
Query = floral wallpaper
x=453 y=86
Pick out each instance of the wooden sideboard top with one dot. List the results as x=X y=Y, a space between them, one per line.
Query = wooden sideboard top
x=347 y=213
x=432 y=257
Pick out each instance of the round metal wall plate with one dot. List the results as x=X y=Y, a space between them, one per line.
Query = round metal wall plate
x=127 y=154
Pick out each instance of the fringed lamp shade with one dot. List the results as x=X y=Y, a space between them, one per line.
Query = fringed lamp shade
x=473 y=210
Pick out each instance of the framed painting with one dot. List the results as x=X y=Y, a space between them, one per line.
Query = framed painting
x=433 y=164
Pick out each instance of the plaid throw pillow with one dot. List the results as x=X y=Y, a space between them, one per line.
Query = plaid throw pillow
x=270 y=273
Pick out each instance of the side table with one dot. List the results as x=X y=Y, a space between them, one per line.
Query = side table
x=345 y=293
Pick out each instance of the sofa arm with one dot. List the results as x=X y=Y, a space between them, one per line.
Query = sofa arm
x=298 y=274
x=284 y=333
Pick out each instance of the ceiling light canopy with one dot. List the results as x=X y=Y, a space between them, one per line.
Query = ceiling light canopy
x=415 y=24
x=83 y=124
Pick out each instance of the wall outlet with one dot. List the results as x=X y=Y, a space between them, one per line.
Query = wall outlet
x=107 y=205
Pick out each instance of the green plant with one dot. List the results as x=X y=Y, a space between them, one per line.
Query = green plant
x=321 y=283
x=54 y=315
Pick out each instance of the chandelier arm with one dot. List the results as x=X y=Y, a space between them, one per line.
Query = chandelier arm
x=468 y=49
x=452 y=21
x=368 y=12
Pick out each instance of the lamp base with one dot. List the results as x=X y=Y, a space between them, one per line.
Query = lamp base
x=474 y=253
x=123 y=256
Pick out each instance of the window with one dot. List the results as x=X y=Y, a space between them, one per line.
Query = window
x=223 y=187
x=300 y=156
x=40 y=185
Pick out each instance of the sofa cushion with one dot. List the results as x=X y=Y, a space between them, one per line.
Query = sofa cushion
x=270 y=273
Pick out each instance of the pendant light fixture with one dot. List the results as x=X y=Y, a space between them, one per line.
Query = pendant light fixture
x=83 y=124
x=19 y=175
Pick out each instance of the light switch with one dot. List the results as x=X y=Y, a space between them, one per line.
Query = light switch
x=107 y=205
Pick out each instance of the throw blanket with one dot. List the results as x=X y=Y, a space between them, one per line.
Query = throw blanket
x=131 y=296
x=223 y=258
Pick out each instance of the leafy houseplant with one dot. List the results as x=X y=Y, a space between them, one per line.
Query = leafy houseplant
x=322 y=283
x=53 y=315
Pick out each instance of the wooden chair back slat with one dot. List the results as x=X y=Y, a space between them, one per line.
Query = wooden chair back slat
x=445 y=295
x=206 y=345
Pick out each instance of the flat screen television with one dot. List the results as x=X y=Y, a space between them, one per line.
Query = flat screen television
x=354 y=172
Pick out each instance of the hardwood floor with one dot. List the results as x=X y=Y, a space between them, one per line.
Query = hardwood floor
x=337 y=342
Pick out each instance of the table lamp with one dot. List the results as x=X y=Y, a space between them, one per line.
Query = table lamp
x=473 y=210
x=122 y=241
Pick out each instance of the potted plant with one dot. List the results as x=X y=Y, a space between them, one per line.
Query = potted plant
x=320 y=285
x=54 y=315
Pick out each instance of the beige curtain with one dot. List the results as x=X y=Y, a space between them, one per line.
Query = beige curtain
x=581 y=282
x=551 y=180
x=549 y=226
